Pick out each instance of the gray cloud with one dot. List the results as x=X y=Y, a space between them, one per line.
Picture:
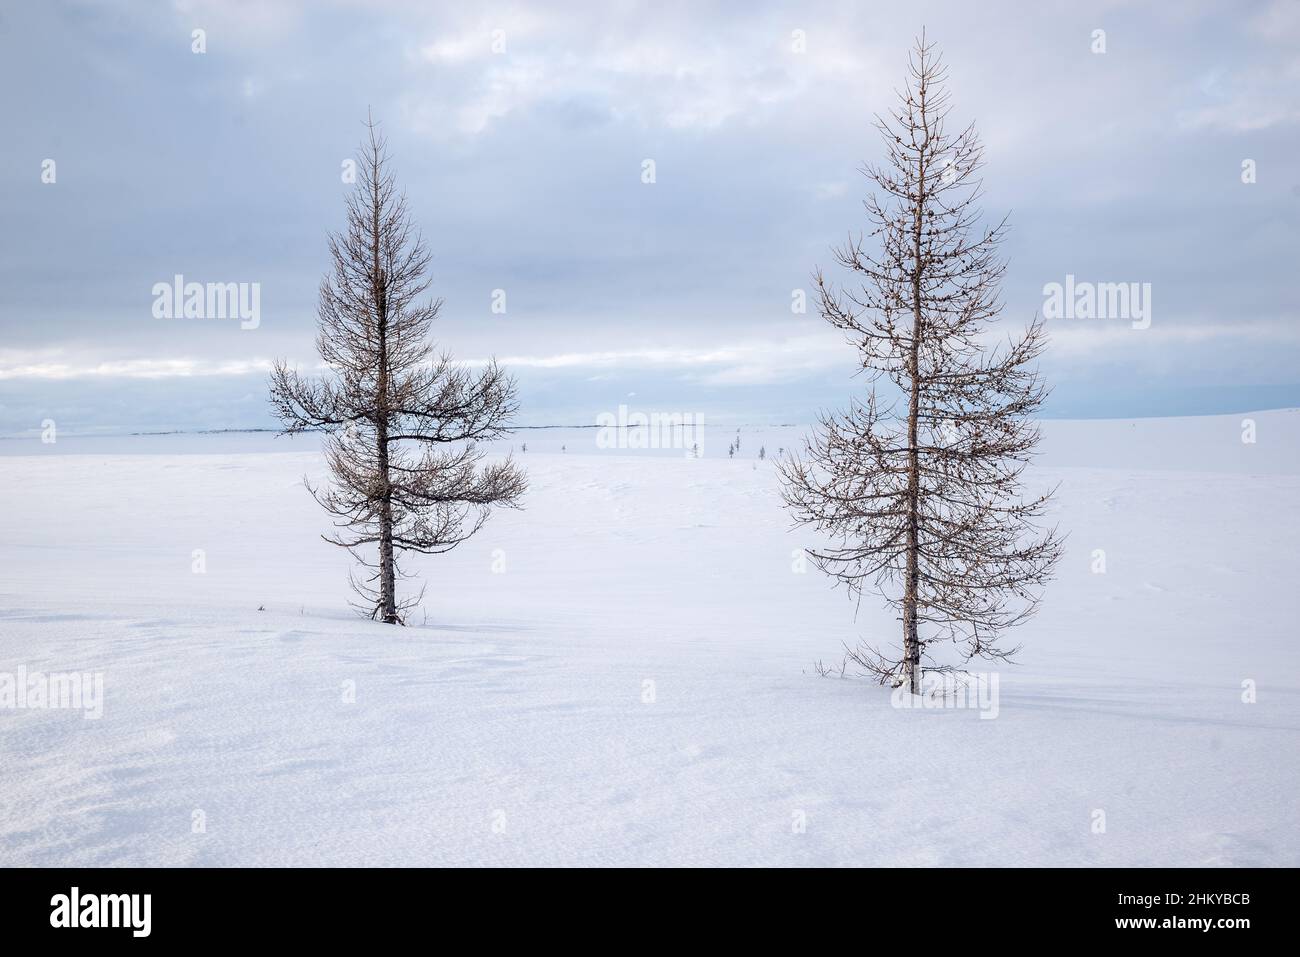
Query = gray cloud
x=523 y=168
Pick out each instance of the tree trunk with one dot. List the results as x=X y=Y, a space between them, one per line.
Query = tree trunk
x=387 y=571
x=387 y=574
x=911 y=637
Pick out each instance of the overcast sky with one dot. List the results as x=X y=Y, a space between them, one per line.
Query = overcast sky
x=523 y=167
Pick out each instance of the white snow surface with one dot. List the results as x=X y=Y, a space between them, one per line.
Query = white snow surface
x=512 y=722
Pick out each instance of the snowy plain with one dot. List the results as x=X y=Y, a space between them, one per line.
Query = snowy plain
x=621 y=674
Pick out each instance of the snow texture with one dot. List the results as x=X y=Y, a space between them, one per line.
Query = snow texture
x=622 y=672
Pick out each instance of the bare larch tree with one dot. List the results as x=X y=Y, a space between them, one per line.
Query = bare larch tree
x=927 y=508
x=403 y=423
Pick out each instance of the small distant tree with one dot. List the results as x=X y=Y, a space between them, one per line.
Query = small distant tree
x=922 y=503
x=403 y=423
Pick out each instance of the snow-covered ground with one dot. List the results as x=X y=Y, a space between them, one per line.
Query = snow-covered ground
x=622 y=673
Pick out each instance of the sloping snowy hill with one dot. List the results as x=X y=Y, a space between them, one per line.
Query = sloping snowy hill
x=622 y=673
